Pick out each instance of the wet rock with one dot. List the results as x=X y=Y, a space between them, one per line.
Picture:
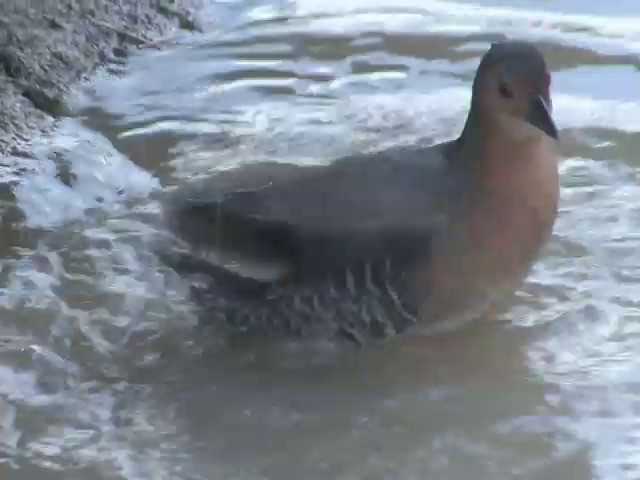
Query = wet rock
x=64 y=173
x=43 y=100
x=46 y=47
x=120 y=52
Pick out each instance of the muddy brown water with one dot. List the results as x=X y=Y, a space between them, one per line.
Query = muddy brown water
x=104 y=371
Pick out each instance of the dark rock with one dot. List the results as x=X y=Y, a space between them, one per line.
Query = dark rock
x=65 y=174
x=42 y=101
x=46 y=47
x=120 y=52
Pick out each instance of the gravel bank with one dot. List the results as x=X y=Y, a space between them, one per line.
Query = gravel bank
x=46 y=46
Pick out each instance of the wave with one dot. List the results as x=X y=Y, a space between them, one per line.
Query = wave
x=603 y=34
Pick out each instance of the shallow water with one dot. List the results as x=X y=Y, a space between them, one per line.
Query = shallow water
x=104 y=372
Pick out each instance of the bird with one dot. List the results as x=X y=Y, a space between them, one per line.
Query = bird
x=371 y=245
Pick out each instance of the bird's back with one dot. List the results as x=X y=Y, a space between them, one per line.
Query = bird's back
x=349 y=233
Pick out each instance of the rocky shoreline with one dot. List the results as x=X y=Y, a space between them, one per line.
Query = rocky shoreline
x=47 y=46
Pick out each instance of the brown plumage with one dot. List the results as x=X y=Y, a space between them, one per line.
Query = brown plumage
x=370 y=244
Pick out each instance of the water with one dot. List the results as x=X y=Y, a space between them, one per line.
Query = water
x=104 y=372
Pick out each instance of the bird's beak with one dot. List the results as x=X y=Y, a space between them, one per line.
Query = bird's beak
x=539 y=115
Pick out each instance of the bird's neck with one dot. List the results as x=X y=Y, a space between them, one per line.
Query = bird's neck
x=501 y=157
x=486 y=132
x=513 y=189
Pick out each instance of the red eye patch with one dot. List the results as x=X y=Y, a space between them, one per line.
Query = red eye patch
x=545 y=85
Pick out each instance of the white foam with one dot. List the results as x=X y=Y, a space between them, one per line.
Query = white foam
x=22 y=387
x=439 y=112
x=103 y=177
x=606 y=34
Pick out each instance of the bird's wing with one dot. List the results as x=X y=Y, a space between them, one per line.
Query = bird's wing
x=306 y=219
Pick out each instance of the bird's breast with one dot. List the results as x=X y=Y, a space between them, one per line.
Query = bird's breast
x=507 y=218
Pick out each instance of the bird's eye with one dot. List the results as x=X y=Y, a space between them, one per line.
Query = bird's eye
x=505 y=92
